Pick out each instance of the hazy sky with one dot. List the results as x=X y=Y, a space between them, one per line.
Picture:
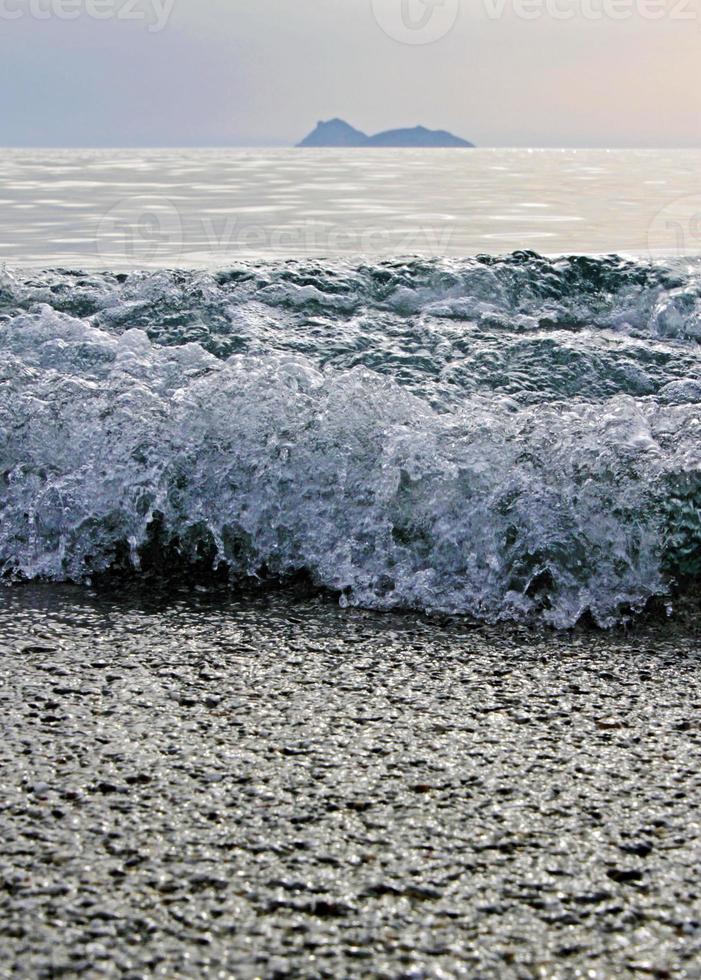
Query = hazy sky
x=244 y=72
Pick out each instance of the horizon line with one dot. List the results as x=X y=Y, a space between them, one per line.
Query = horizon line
x=352 y=149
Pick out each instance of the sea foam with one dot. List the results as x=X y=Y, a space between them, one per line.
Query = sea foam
x=509 y=440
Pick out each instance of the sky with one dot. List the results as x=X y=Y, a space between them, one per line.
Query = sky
x=262 y=72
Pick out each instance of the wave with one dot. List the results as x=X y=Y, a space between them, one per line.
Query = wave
x=508 y=438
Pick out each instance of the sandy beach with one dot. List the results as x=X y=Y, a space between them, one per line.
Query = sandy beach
x=270 y=786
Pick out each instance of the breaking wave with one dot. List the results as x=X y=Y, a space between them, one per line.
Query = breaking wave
x=508 y=438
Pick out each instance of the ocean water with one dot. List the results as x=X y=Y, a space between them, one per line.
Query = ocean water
x=485 y=399
x=128 y=209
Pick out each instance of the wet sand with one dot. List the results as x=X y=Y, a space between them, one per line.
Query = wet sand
x=270 y=787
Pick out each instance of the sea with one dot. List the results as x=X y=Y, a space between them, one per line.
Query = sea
x=449 y=381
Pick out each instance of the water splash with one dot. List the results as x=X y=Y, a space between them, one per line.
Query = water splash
x=507 y=469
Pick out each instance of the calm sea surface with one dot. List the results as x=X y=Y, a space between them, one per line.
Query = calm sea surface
x=206 y=208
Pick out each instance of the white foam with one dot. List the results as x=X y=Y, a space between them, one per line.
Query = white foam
x=493 y=508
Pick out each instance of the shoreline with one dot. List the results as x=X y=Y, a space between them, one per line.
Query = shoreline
x=272 y=786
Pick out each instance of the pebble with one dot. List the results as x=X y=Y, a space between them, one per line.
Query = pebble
x=366 y=795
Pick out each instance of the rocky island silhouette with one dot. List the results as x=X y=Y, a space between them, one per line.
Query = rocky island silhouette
x=338 y=133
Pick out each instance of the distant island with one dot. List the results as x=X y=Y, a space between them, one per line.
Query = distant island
x=338 y=133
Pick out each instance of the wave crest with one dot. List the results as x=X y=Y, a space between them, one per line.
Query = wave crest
x=271 y=464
